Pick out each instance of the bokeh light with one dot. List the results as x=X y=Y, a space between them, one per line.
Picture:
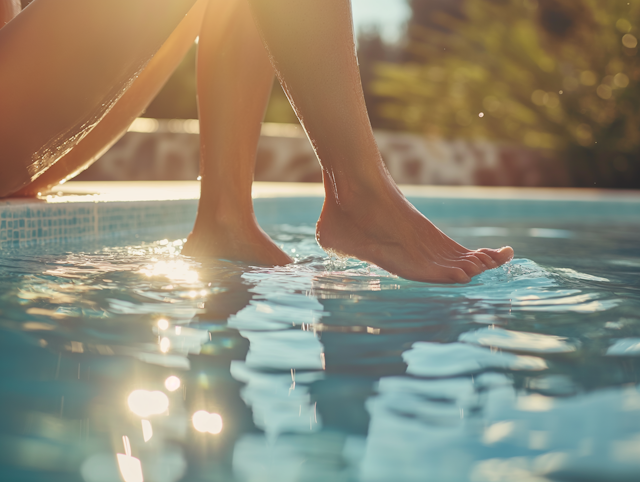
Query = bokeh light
x=163 y=323
x=165 y=344
x=172 y=383
x=206 y=422
x=130 y=467
x=145 y=403
x=177 y=270
x=147 y=430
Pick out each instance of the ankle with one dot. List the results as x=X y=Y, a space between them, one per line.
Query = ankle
x=224 y=219
x=224 y=207
x=352 y=195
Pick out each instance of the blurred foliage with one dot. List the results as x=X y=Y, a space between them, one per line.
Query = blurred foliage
x=177 y=99
x=551 y=74
x=279 y=109
x=372 y=50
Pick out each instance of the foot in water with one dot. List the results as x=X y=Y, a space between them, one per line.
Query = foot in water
x=245 y=242
x=388 y=231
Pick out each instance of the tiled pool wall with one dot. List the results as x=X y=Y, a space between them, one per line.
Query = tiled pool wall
x=46 y=222
x=70 y=217
x=171 y=152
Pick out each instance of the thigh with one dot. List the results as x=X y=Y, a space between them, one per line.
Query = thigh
x=134 y=101
x=64 y=64
x=8 y=10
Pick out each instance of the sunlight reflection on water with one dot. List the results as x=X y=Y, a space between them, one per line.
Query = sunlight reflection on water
x=325 y=368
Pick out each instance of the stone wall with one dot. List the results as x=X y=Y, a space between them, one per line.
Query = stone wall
x=169 y=150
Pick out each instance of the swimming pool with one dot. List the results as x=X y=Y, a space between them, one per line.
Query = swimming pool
x=122 y=360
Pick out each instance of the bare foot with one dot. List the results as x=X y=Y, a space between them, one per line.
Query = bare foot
x=235 y=241
x=386 y=230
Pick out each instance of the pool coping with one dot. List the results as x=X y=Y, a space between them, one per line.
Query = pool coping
x=95 y=209
x=127 y=191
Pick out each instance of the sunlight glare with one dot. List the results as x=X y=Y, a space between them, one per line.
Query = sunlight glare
x=147 y=430
x=207 y=422
x=534 y=403
x=176 y=270
x=145 y=403
x=172 y=383
x=143 y=124
x=130 y=467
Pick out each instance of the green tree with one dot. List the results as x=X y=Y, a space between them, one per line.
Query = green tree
x=560 y=75
x=372 y=50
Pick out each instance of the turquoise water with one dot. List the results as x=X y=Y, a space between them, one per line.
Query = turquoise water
x=325 y=370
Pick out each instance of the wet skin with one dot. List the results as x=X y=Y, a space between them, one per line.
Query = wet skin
x=131 y=105
x=64 y=65
x=79 y=112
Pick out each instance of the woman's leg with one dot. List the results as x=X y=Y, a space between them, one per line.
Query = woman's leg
x=64 y=65
x=364 y=215
x=235 y=78
x=8 y=10
x=234 y=83
x=132 y=103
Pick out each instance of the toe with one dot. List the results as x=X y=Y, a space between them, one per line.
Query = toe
x=467 y=266
x=458 y=275
x=474 y=258
x=449 y=274
x=470 y=268
x=485 y=259
x=438 y=273
x=500 y=256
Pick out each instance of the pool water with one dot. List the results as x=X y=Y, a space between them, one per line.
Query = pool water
x=122 y=360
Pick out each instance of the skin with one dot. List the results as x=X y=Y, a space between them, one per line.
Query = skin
x=234 y=84
x=312 y=48
x=8 y=10
x=88 y=65
x=364 y=215
x=132 y=103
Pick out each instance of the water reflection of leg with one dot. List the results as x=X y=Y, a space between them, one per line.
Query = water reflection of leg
x=282 y=363
x=212 y=389
x=355 y=360
x=191 y=424
x=232 y=292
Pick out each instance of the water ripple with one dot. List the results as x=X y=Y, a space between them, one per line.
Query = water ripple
x=519 y=341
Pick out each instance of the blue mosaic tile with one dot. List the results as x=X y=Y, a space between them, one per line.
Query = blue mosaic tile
x=41 y=222
x=55 y=223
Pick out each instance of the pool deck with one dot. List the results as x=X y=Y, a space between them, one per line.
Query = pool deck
x=123 y=191
x=79 y=209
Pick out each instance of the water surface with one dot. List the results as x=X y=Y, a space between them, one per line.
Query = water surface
x=326 y=369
